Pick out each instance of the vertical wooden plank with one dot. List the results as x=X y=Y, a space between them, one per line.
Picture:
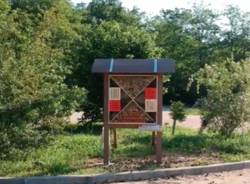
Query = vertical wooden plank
x=159 y=109
x=115 y=138
x=159 y=119
x=153 y=138
x=105 y=117
x=158 y=147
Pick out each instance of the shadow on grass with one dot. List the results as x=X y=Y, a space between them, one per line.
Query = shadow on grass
x=53 y=169
x=59 y=168
x=133 y=150
x=132 y=143
x=191 y=143
x=195 y=144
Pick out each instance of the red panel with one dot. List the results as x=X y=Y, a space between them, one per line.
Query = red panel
x=150 y=93
x=114 y=105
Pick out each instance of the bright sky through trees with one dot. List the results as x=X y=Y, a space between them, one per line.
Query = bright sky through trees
x=152 y=7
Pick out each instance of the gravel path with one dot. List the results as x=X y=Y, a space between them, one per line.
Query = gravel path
x=232 y=177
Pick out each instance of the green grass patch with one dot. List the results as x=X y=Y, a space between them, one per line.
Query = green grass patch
x=192 y=111
x=67 y=153
x=190 y=142
x=70 y=153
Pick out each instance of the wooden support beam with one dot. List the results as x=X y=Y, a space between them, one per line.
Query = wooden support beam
x=115 y=138
x=153 y=138
x=106 y=128
x=158 y=145
x=106 y=146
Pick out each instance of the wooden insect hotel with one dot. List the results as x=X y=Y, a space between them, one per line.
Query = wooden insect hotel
x=133 y=97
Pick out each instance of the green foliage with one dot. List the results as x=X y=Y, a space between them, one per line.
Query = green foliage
x=75 y=153
x=192 y=111
x=18 y=141
x=177 y=113
x=47 y=48
x=32 y=77
x=33 y=66
x=188 y=36
x=111 y=10
x=64 y=154
x=236 y=38
x=110 y=31
x=194 y=38
x=189 y=142
x=226 y=106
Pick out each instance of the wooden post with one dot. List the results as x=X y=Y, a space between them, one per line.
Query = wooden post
x=106 y=145
x=106 y=127
x=153 y=138
x=158 y=147
x=159 y=119
x=115 y=138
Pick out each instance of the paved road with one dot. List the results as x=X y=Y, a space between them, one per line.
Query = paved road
x=233 y=177
x=191 y=121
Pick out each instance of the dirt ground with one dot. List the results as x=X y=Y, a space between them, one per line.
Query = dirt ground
x=171 y=160
x=232 y=177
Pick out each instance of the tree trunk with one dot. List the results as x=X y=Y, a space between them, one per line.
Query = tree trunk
x=174 y=125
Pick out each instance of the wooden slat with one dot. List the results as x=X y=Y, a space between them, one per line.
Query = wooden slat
x=123 y=125
x=153 y=77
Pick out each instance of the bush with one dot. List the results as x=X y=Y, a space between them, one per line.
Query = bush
x=177 y=113
x=226 y=105
x=14 y=140
x=34 y=65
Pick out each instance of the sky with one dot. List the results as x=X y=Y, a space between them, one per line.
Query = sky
x=153 y=7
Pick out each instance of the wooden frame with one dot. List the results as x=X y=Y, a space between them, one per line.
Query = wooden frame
x=156 y=136
x=106 y=127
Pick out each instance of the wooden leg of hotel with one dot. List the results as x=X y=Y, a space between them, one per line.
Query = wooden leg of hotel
x=158 y=147
x=115 y=138
x=153 y=138
x=106 y=146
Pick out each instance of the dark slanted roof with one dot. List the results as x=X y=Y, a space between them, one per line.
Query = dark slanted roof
x=144 y=66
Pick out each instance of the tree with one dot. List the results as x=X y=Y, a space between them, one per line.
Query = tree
x=33 y=67
x=236 y=35
x=226 y=106
x=111 y=31
x=190 y=38
x=177 y=113
x=42 y=57
x=112 y=10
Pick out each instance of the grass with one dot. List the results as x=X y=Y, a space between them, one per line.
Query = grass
x=67 y=153
x=189 y=110
x=186 y=141
x=74 y=151
x=192 y=111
